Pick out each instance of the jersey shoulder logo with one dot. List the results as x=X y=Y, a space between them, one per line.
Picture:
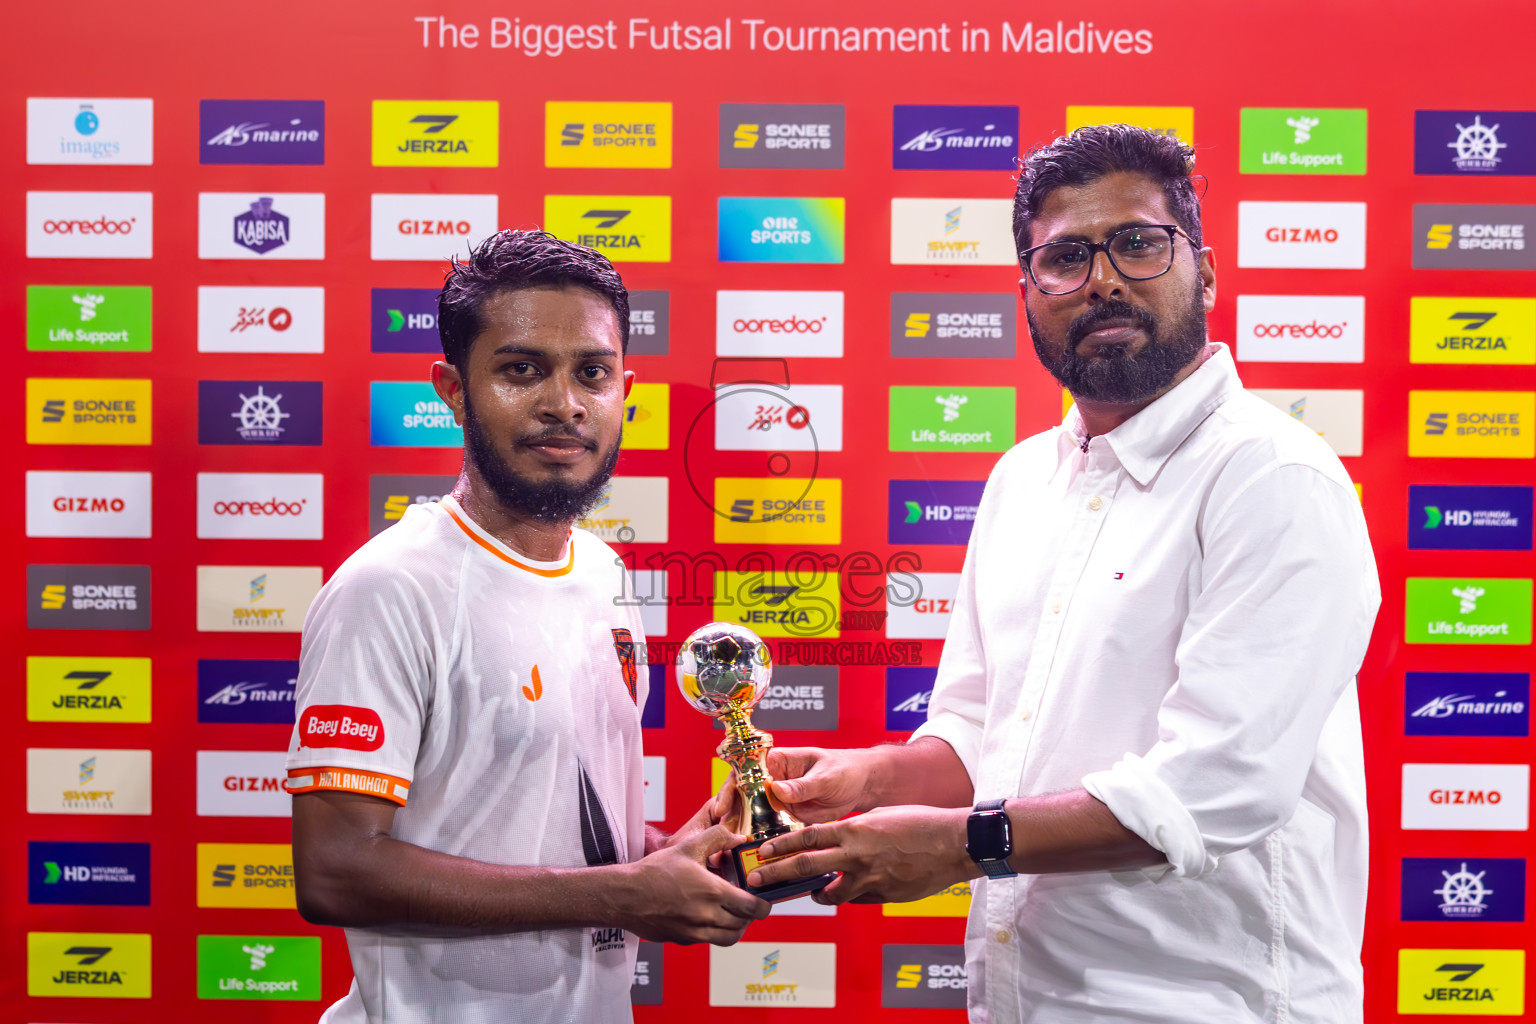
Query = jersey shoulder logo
x=535 y=691
x=341 y=725
x=624 y=645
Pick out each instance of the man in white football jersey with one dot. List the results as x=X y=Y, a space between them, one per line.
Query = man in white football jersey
x=466 y=761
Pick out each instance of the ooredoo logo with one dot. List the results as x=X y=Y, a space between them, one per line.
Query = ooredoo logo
x=341 y=725
x=1303 y=235
x=1301 y=328
x=260 y=506
x=90 y=225
x=778 y=323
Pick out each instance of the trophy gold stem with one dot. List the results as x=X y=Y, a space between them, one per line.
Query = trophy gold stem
x=745 y=749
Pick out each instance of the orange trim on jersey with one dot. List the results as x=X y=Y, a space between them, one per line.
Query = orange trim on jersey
x=570 y=561
x=348 y=780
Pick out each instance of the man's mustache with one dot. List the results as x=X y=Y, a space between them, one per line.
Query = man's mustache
x=1113 y=309
x=564 y=431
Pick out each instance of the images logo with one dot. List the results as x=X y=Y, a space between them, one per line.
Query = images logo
x=973 y=231
x=650 y=323
x=1467 y=704
x=1471 y=424
x=90 y=225
x=261 y=506
x=926 y=616
x=390 y=496
x=245 y=875
x=923 y=976
x=88 y=874
x=1175 y=121
x=261 y=132
x=111 y=965
x=1467 y=237
x=758 y=323
x=93 y=781
x=242 y=784
x=779 y=511
x=90 y=131
x=82 y=504
x=959 y=325
x=647 y=417
x=781 y=135
x=773 y=604
x=927 y=419
x=1472 y=982
x=436 y=133
x=1499 y=331
x=1338 y=416
x=1285 y=141
x=1301 y=328
x=88 y=411
x=776 y=230
x=260 y=319
x=1474 y=142
x=88 y=597
x=932 y=511
x=1475 y=797
x=88 y=318
x=1329 y=236
x=1461 y=611
x=1486 y=889
x=247 y=599
x=607 y=134
x=908 y=692
x=404 y=320
x=1469 y=518
x=955 y=138
x=773 y=974
x=631 y=510
x=409 y=414
x=87 y=689
x=258 y=967
x=633 y=229
x=800 y=418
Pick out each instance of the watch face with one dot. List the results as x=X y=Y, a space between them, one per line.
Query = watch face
x=986 y=834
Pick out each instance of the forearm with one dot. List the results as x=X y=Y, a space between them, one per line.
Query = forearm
x=655 y=839
x=926 y=771
x=1073 y=831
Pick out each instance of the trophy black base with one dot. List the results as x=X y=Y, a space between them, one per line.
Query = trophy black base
x=743 y=859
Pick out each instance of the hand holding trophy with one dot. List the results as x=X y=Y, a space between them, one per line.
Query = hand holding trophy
x=723 y=671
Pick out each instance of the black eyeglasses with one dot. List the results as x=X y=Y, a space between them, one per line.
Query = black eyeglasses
x=1139 y=253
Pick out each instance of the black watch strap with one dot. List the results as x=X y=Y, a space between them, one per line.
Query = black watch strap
x=993 y=859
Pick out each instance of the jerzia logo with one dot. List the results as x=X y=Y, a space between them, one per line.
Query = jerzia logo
x=637 y=229
x=431 y=133
x=1489 y=331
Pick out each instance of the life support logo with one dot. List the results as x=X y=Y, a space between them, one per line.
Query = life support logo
x=341 y=725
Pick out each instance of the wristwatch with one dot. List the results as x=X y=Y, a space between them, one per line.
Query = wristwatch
x=989 y=839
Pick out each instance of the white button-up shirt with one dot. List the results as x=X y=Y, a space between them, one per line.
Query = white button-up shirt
x=1172 y=619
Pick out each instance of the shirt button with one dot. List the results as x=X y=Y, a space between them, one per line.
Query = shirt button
x=1002 y=937
x=1056 y=607
x=1024 y=715
x=1096 y=503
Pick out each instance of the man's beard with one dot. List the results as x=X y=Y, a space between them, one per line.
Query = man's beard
x=1113 y=374
x=554 y=501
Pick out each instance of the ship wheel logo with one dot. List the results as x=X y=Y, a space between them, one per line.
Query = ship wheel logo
x=1463 y=893
x=1477 y=146
x=260 y=416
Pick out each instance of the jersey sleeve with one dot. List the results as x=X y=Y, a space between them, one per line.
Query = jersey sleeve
x=366 y=671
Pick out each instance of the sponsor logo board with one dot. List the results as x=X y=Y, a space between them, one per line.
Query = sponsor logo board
x=780 y=604
x=1301 y=328
x=102 y=965
x=436 y=133
x=957 y=419
x=245 y=875
x=933 y=511
x=1474 y=142
x=782 y=135
x=773 y=974
x=1176 y=121
x=261 y=506
x=653 y=772
x=800 y=697
x=647 y=417
x=955 y=325
x=259 y=412
x=767 y=229
x=626 y=229
x=1469 y=518
x=258 y=967
x=250 y=226
x=429 y=226
x=86 y=504
x=653 y=714
x=955 y=138
x=82 y=689
x=404 y=320
x=922 y=976
x=1472 y=237
x=631 y=510
x=784 y=510
x=1457 y=610
x=89 y=318
x=408 y=414
x=908 y=691
x=1471 y=330
x=390 y=496
x=258 y=319
x=764 y=323
x=1465 y=982
x=1338 y=416
x=1450 y=889
x=245 y=691
x=797 y=418
x=953 y=231
x=952 y=902
x=1471 y=424
x=255 y=598
x=926 y=615
x=261 y=132
x=88 y=874
x=89 y=410
x=1318 y=236
x=1469 y=797
x=650 y=587
x=607 y=134
x=87 y=781
x=1467 y=704
x=243 y=784
x=90 y=225
x=650 y=323
x=90 y=131
x=1293 y=141
x=88 y=597
x=645 y=986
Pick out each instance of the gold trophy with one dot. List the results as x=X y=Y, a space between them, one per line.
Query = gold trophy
x=723 y=671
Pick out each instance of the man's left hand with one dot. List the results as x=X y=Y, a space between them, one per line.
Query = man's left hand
x=889 y=855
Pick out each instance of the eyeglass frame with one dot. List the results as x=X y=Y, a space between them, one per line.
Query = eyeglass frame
x=1094 y=248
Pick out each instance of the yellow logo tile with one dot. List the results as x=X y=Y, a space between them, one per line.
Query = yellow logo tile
x=245 y=875
x=1461 y=982
x=88 y=410
x=952 y=902
x=626 y=229
x=88 y=689
x=787 y=510
x=785 y=604
x=436 y=133
x=607 y=134
x=1471 y=424
x=1177 y=121
x=1484 y=331
x=101 y=965
x=647 y=417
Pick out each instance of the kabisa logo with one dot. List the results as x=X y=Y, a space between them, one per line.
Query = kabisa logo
x=404 y=320
x=258 y=967
x=88 y=318
x=1474 y=142
x=110 y=965
x=263 y=412
x=957 y=325
x=1472 y=424
x=1476 y=797
x=1467 y=237
x=434 y=133
x=1449 y=518
x=932 y=511
x=247 y=691
x=261 y=229
x=908 y=692
x=409 y=414
x=775 y=604
x=261 y=132
x=971 y=231
x=955 y=138
x=780 y=230
x=88 y=689
x=88 y=874
x=1287 y=141
x=1467 y=982
x=1467 y=704
x=90 y=131
x=260 y=506
x=1327 y=236
x=928 y=419
x=1487 y=331
x=245 y=875
x=88 y=597
x=781 y=135
x=89 y=411
x=1301 y=328
x=634 y=229
x=390 y=496
x=784 y=510
x=88 y=781
x=1485 y=889
x=84 y=504
x=926 y=976
x=1468 y=611
x=90 y=225
x=607 y=134
x=246 y=226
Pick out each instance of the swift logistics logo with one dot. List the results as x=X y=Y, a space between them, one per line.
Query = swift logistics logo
x=261 y=319
x=1336 y=415
x=261 y=132
x=255 y=599
x=607 y=134
x=1464 y=982
x=951 y=419
x=90 y=225
x=782 y=135
x=648 y=417
x=85 y=504
x=773 y=974
x=408 y=414
x=1473 y=237
x=1483 y=331
x=1471 y=797
x=428 y=226
x=782 y=510
x=780 y=230
x=796 y=418
x=953 y=231
x=1457 y=610
x=90 y=131
x=921 y=604
x=403 y=320
x=258 y=967
x=1471 y=424
x=650 y=323
x=260 y=506
x=251 y=226
x=259 y=412
x=436 y=133
x=1301 y=328
x=1467 y=704
x=88 y=597
x=908 y=691
x=88 y=781
x=1289 y=141
x=245 y=691
x=390 y=496
x=1474 y=142
x=1313 y=236
x=88 y=318
x=768 y=323
x=1176 y=121
x=626 y=229
x=781 y=604
x=1449 y=518
x=932 y=511
x=109 y=965
x=631 y=510
x=955 y=138
x=246 y=875
x=1484 y=889
x=955 y=325
x=88 y=874
x=922 y=976
x=243 y=784
x=81 y=689
x=89 y=410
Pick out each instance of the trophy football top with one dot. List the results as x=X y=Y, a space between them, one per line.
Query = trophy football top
x=723 y=667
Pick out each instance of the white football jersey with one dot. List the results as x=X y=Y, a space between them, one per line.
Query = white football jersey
x=497 y=701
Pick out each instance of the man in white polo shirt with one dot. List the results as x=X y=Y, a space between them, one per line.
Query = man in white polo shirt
x=1147 y=690
x=466 y=760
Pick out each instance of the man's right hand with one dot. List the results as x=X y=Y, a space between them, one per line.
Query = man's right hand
x=817 y=785
x=672 y=896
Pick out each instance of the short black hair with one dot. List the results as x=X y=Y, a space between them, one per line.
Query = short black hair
x=1087 y=154
x=512 y=260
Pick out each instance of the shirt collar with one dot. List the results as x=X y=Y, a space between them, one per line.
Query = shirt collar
x=1145 y=441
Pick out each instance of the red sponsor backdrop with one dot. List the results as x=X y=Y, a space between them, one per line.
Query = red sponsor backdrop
x=1417 y=55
